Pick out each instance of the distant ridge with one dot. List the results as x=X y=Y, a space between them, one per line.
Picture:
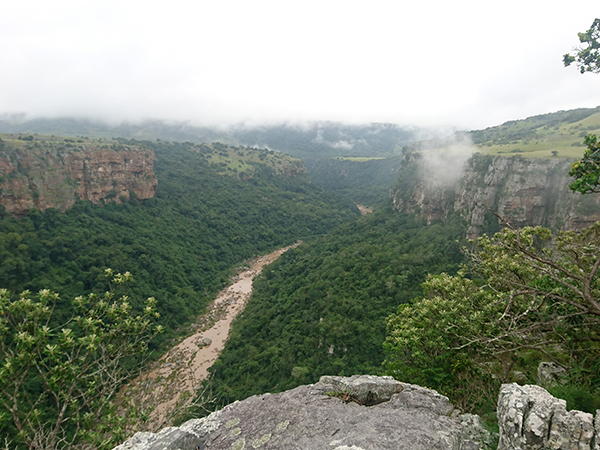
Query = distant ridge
x=557 y=134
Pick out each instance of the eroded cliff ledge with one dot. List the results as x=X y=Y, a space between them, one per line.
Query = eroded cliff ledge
x=526 y=192
x=55 y=173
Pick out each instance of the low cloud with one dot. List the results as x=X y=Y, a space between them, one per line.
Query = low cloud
x=444 y=159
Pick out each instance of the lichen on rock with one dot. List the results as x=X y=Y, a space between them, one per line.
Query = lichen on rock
x=403 y=416
x=530 y=418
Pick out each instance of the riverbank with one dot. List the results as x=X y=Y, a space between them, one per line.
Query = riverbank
x=174 y=379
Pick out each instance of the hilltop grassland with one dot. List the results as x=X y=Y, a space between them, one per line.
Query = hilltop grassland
x=243 y=161
x=550 y=135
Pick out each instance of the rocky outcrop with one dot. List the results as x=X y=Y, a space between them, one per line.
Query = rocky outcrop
x=523 y=191
x=337 y=413
x=291 y=168
x=550 y=374
x=530 y=418
x=44 y=174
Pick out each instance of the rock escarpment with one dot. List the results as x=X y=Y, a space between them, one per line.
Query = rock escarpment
x=530 y=418
x=356 y=413
x=43 y=174
x=526 y=192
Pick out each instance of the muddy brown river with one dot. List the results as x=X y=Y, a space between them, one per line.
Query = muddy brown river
x=173 y=381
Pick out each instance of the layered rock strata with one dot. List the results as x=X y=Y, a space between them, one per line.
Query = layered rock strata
x=525 y=192
x=45 y=175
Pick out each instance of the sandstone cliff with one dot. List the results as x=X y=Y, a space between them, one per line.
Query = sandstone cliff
x=523 y=191
x=42 y=173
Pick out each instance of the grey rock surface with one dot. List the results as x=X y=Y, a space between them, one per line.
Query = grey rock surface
x=550 y=374
x=524 y=191
x=366 y=390
x=402 y=416
x=530 y=418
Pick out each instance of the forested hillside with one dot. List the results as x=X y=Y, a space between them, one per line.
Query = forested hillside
x=329 y=139
x=302 y=140
x=145 y=130
x=321 y=308
x=179 y=245
x=362 y=180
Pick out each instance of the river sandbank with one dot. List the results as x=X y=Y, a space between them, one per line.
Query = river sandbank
x=174 y=379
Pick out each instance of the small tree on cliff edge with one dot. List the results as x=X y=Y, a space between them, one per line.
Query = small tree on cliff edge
x=58 y=382
x=587 y=170
x=587 y=57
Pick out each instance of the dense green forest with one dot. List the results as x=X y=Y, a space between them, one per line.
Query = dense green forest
x=359 y=162
x=321 y=308
x=329 y=139
x=365 y=181
x=180 y=245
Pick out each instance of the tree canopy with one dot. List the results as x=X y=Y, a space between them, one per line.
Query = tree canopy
x=524 y=292
x=586 y=56
x=59 y=379
x=320 y=308
x=587 y=170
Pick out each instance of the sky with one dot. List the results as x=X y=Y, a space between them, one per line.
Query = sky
x=436 y=63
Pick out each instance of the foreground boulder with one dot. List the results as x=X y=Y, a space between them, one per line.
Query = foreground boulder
x=530 y=418
x=337 y=413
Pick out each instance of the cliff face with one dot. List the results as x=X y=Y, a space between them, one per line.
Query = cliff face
x=43 y=174
x=524 y=191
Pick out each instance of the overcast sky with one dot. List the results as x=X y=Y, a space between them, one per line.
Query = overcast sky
x=469 y=64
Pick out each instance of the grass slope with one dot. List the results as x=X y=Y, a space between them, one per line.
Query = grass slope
x=540 y=136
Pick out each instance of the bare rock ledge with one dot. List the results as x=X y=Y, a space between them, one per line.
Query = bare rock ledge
x=356 y=413
x=372 y=413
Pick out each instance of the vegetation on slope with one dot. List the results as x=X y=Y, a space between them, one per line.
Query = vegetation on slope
x=540 y=136
x=321 y=308
x=329 y=139
x=145 y=130
x=304 y=140
x=526 y=296
x=364 y=180
x=558 y=134
x=180 y=245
